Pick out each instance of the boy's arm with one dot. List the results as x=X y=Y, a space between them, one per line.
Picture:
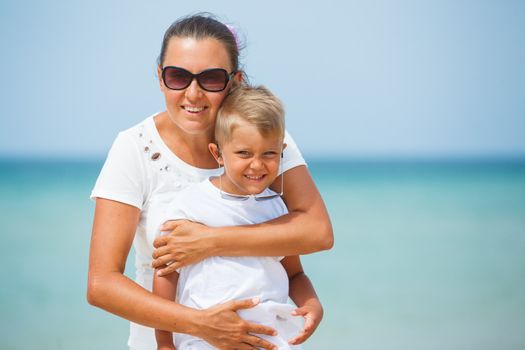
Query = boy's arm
x=303 y=294
x=165 y=287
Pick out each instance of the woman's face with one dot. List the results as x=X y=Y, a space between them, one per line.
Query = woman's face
x=193 y=110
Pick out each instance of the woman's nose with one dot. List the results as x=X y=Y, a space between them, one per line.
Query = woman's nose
x=193 y=92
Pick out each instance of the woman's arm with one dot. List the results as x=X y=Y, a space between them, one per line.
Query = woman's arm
x=108 y=288
x=305 y=229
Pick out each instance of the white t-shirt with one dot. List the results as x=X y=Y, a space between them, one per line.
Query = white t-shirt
x=141 y=171
x=217 y=279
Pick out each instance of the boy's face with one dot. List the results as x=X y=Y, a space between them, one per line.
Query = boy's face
x=251 y=160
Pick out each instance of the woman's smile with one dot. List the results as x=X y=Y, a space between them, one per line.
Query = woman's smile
x=193 y=110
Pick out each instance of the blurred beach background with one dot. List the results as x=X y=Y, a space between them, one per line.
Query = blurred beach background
x=411 y=116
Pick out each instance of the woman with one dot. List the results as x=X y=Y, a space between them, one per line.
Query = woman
x=151 y=161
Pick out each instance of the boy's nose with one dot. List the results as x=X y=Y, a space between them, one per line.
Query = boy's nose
x=256 y=163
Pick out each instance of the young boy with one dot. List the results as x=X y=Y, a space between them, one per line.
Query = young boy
x=249 y=133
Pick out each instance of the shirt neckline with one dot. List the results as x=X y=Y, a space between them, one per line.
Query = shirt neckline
x=172 y=157
x=213 y=188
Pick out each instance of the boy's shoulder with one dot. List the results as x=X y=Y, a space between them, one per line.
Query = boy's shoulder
x=194 y=202
x=194 y=191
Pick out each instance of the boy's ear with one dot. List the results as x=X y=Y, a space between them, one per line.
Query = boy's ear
x=282 y=152
x=216 y=152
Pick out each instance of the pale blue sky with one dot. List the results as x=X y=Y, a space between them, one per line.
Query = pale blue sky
x=358 y=78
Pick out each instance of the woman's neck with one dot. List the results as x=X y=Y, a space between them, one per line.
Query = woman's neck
x=191 y=148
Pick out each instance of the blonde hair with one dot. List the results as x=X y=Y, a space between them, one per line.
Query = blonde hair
x=255 y=105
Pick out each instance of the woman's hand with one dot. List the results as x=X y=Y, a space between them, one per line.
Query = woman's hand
x=187 y=244
x=313 y=314
x=166 y=347
x=224 y=329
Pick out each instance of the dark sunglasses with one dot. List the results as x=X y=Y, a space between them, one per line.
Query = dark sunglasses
x=212 y=80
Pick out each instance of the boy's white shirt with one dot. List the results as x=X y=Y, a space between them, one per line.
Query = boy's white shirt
x=216 y=280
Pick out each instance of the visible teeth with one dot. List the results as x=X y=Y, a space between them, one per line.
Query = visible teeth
x=254 y=177
x=193 y=109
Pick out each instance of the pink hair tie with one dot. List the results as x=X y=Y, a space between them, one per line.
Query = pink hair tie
x=234 y=33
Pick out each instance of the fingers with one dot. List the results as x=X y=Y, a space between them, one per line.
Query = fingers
x=299 y=339
x=242 y=304
x=161 y=251
x=236 y=333
x=169 y=269
x=171 y=225
x=256 y=343
x=160 y=241
x=260 y=329
x=251 y=327
x=243 y=346
x=168 y=226
x=162 y=261
x=309 y=325
x=299 y=312
x=308 y=328
x=305 y=333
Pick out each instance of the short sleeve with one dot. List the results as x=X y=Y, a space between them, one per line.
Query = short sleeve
x=123 y=176
x=292 y=156
x=174 y=211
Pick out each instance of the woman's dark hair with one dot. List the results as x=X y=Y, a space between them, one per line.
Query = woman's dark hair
x=202 y=26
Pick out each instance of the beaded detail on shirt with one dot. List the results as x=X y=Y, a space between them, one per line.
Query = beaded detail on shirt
x=160 y=162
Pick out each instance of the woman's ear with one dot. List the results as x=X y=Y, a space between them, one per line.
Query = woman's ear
x=159 y=75
x=215 y=152
x=239 y=76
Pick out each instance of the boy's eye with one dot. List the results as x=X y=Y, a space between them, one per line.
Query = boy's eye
x=243 y=153
x=270 y=154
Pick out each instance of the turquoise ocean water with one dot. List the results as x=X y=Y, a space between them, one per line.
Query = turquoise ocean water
x=428 y=255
